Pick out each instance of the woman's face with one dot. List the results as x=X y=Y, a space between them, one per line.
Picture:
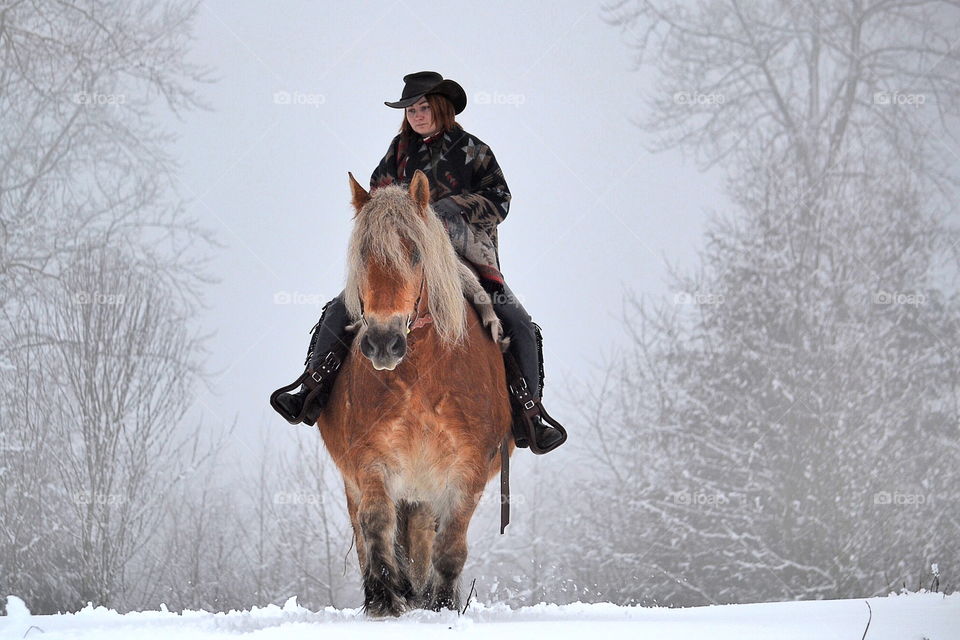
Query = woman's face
x=420 y=118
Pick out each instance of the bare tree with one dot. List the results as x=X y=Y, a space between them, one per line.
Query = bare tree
x=98 y=282
x=34 y=541
x=297 y=537
x=80 y=153
x=789 y=418
x=114 y=368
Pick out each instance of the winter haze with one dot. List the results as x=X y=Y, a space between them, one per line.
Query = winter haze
x=735 y=221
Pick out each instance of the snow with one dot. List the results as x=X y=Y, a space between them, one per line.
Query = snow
x=896 y=617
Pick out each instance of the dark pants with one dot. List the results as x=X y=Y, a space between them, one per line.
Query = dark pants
x=518 y=325
x=331 y=334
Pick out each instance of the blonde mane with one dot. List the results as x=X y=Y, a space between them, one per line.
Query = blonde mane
x=384 y=225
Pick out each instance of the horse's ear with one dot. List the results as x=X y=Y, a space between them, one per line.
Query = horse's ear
x=360 y=195
x=420 y=190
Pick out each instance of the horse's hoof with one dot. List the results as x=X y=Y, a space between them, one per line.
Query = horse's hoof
x=438 y=598
x=383 y=609
x=386 y=598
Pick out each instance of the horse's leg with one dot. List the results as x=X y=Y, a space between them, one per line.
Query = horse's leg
x=357 y=534
x=386 y=587
x=421 y=526
x=450 y=550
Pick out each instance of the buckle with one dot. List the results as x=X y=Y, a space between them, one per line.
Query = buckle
x=520 y=391
x=529 y=404
x=332 y=360
x=330 y=363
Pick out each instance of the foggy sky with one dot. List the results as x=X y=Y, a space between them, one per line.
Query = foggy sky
x=593 y=214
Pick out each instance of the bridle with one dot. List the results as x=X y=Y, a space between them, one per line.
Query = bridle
x=416 y=319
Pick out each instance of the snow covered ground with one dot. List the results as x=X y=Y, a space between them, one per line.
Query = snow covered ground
x=903 y=617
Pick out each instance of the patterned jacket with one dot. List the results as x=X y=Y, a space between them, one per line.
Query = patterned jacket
x=467 y=190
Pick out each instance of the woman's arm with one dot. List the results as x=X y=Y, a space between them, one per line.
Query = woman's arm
x=386 y=171
x=487 y=200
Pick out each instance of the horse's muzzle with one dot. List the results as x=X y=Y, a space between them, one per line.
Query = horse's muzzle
x=384 y=347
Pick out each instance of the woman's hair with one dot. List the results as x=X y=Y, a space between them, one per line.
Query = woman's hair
x=442 y=109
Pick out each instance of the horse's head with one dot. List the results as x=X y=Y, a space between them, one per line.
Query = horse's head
x=401 y=263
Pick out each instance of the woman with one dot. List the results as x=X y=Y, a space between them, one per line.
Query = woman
x=468 y=192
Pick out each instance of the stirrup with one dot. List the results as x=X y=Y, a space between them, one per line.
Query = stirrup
x=313 y=380
x=544 y=417
x=529 y=408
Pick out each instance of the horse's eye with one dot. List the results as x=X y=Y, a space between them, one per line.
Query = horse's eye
x=415 y=256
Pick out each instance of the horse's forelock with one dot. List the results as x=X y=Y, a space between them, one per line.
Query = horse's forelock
x=382 y=228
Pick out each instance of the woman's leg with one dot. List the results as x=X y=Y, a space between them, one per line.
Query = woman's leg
x=525 y=348
x=523 y=338
x=328 y=345
x=330 y=334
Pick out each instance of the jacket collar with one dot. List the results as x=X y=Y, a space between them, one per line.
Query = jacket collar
x=454 y=133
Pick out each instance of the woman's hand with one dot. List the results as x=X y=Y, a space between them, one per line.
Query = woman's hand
x=455 y=222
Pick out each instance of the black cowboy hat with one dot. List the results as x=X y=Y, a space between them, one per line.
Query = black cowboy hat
x=417 y=85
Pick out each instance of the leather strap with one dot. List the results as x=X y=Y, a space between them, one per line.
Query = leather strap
x=504 y=483
x=528 y=404
x=417 y=320
x=421 y=321
x=313 y=380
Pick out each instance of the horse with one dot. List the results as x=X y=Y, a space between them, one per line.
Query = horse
x=419 y=412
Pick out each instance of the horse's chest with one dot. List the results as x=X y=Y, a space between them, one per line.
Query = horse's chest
x=422 y=459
